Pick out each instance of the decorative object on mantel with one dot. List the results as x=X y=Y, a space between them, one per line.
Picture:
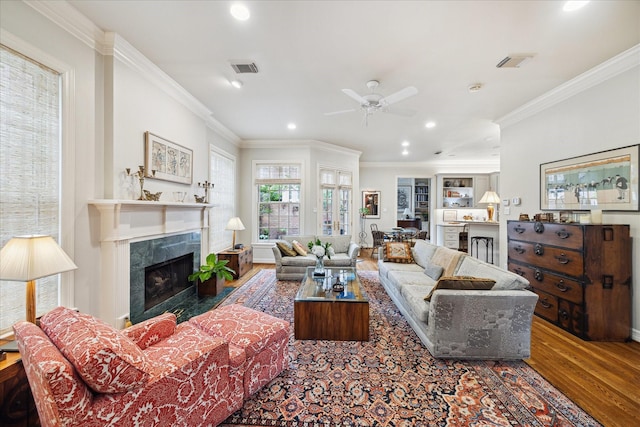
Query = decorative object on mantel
x=200 y=199
x=179 y=196
x=154 y=197
x=141 y=174
x=490 y=197
x=27 y=258
x=206 y=185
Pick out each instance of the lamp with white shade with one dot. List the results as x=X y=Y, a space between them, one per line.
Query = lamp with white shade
x=406 y=213
x=28 y=258
x=234 y=224
x=490 y=197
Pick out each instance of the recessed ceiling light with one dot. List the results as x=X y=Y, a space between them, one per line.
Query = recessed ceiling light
x=240 y=12
x=405 y=152
x=571 y=6
x=236 y=83
x=291 y=126
x=405 y=143
x=430 y=125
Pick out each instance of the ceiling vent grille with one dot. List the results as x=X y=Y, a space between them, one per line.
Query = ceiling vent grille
x=244 y=67
x=514 y=61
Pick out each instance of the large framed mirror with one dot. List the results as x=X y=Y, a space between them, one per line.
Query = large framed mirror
x=370 y=204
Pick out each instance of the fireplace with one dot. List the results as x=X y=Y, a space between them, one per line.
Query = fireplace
x=158 y=274
x=166 y=279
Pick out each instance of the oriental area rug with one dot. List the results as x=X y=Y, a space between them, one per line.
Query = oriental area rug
x=391 y=380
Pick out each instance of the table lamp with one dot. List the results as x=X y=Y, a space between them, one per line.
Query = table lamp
x=28 y=258
x=406 y=213
x=234 y=224
x=490 y=197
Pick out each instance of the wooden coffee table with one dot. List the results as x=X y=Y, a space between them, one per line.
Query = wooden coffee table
x=323 y=314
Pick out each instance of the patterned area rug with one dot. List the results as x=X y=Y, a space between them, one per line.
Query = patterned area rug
x=392 y=380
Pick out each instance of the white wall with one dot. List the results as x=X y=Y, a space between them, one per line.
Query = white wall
x=602 y=117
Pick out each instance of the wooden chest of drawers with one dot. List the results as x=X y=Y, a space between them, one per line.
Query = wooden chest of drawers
x=582 y=274
x=240 y=260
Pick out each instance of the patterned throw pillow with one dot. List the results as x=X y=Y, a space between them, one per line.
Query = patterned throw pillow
x=285 y=248
x=398 y=252
x=107 y=361
x=300 y=250
x=466 y=283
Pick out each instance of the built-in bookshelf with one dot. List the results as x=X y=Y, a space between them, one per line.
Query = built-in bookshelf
x=457 y=192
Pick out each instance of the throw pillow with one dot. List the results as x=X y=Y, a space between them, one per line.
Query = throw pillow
x=434 y=271
x=286 y=248
x=107 y=361
x=398 y=252
x=466 y=283
x=300 y=250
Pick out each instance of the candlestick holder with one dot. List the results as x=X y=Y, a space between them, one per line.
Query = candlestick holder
x=206 y=185
x=141 y=174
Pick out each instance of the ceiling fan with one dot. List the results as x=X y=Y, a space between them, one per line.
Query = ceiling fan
x=374 y=102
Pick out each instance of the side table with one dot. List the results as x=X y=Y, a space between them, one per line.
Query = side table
x=17 y=407
x=240 y=260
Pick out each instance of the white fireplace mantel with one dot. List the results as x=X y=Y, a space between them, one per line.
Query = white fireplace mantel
x=123 y=221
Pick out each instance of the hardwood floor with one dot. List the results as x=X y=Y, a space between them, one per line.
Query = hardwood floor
x=602 y=378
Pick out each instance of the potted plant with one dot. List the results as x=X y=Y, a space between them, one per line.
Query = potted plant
x=211 y=276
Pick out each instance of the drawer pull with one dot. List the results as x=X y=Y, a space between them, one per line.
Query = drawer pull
x=519 y=249
x=519 y=229
x=562 y=259
x=538 y=275
x=538 y=227
x=539 y=249
x=561 y=286
x=563 y=234
x=545 y=304
x=520 y=272
x=564 y=314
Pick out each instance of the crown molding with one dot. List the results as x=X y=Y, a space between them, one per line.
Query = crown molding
x=600 y=73
x=72 y=21
x=111 y=44
x=467 y=166
x=298 y=143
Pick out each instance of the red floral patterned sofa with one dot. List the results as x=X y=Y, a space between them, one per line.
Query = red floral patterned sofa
x=83 y=372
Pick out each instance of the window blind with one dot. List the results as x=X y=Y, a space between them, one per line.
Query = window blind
x=222 y=174
x=30 y=160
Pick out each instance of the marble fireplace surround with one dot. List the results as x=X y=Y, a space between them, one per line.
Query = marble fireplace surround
x=124 y=223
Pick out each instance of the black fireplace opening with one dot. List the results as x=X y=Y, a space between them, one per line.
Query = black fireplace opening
x=166 y=279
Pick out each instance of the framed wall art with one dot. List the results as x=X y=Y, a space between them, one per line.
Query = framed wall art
x=404 y=197
x=607 y=180
x=171 y=161
x=371 y=202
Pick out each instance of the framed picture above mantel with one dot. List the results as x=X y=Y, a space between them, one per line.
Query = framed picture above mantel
x=170 y=161
x=607 y=180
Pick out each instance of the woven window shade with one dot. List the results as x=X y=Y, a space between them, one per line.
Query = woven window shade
x=30 y=163
x=222 y=173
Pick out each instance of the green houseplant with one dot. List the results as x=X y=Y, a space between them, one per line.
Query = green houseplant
x=211 y=276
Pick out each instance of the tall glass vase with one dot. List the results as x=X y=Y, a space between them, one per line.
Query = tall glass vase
x=319 y=270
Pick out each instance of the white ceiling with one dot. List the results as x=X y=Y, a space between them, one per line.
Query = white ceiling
x=308 y=51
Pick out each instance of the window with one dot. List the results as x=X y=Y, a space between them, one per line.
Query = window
x=335 y=187
x=222 y=172
x=30 y=183
x=278 y=187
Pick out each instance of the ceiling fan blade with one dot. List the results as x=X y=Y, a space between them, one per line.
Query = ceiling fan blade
x=406 y=112
x=355 y=96
x=399 y=96
x=333 y=113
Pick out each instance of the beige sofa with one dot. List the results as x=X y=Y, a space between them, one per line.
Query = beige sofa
x=461 y=324
x=294 y=267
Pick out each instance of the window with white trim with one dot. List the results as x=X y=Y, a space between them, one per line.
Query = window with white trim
x=30 y=160
x=336 y=191
x=222 y=172
x=278 y=187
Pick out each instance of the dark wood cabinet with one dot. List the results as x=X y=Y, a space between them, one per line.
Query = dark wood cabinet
x=582 y=274
x=240 y=260
x=17 y=407
x=415 y=222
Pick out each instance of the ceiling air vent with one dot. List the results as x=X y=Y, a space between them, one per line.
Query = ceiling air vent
x=514 y=61
x=244 y=67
